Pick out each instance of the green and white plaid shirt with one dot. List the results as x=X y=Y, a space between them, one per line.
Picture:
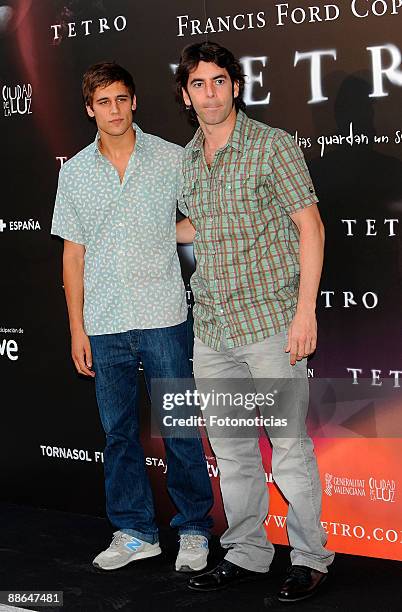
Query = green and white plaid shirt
x=246 y=245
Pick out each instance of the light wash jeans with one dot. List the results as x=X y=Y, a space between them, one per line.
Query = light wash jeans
x=294 y=466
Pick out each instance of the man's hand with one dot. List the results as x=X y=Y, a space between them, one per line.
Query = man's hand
x=81 y=353
x=302 y=339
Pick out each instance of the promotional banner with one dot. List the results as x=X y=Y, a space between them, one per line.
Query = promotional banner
x=330 y=74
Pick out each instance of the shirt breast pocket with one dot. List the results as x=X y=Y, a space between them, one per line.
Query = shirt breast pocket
x=242 y=193
x=195 y=199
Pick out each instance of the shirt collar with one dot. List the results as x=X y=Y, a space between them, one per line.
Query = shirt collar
x=236 y=140
x=139 y=140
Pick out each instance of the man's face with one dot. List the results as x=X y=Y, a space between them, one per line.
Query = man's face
x=112 y=109
x=209 y=90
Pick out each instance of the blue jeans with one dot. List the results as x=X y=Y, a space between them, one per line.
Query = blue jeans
x=129 y=502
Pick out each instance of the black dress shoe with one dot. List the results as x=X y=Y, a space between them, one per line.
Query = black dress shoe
x=300 y=583
x=221 y=576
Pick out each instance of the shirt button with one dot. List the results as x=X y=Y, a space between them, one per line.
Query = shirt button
x=221 y=311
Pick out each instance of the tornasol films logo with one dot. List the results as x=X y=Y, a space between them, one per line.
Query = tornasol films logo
x=17 y=99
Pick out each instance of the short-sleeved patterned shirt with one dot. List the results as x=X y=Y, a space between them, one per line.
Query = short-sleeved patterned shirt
x=132 y=277
x=246 y=245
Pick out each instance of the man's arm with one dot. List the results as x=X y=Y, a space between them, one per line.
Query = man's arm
x=185 y=231
x=73 y=277
x=303 y=329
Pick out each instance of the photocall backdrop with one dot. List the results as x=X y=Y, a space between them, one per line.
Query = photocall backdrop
x=331 y=75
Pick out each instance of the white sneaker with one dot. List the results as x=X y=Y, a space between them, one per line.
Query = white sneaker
x=193 y=553
x=123 y=549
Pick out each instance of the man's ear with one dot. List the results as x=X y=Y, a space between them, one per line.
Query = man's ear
x=236 y=89
x=186 y=97
x=90 y=111
x=134 y=103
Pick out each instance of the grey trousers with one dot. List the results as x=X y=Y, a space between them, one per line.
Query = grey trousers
x=242 y=477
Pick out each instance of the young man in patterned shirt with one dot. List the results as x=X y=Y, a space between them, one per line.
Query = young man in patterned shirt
x=258 y=242
x=126 y=304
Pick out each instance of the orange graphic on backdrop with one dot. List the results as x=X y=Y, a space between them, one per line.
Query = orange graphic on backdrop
x=362 y=496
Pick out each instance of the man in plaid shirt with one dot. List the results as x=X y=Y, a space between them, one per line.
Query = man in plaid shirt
x=258 y=240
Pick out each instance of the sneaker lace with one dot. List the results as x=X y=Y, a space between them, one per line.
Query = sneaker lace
x=118 y=538
x=191 y=542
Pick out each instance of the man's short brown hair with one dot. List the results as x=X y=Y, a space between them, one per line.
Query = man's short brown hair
x=102 y=75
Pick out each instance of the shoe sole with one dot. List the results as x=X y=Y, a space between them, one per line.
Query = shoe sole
x=290 y=601
x=136 y=557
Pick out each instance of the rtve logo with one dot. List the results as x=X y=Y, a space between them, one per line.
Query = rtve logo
x=9 y=348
